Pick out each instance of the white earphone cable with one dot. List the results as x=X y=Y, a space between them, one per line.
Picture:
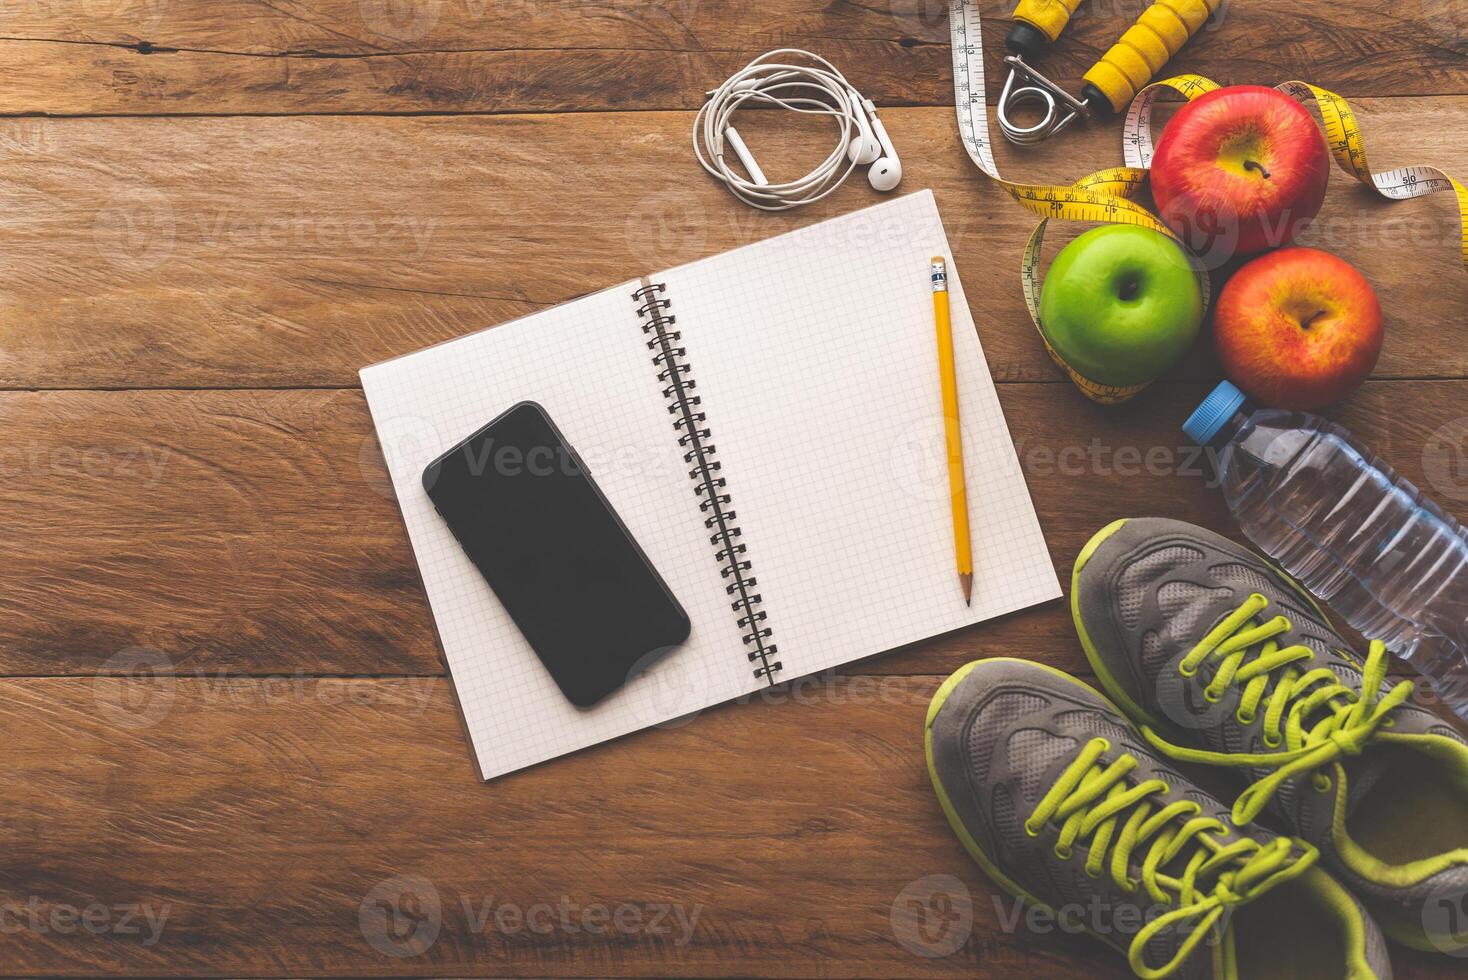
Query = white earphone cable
x=817 y=88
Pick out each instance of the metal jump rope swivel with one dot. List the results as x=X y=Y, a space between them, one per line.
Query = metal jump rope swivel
x=1111 y=84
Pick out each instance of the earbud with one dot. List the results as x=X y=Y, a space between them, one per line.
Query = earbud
x=796 y=81
x=864 y=147
x=886 y=172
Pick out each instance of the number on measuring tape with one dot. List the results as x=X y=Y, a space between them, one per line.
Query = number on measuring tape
x=1105 y=196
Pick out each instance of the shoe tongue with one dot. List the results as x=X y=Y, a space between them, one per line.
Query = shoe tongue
x=1362 y=775
x=1348 y=676
x=1364 y=771
x=1165 y=945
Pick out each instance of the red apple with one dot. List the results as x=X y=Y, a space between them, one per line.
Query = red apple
x=1240 y=170
x=1298 y=328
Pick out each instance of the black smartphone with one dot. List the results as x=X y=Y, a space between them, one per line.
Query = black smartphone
x=524 y=508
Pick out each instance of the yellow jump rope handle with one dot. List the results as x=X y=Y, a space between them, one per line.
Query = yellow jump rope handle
x=1144 y=49
x=1049 y=17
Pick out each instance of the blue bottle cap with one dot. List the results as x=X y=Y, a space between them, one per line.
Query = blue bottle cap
x=1214 y=413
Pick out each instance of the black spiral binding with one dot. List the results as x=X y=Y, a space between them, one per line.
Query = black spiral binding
x=710 y=487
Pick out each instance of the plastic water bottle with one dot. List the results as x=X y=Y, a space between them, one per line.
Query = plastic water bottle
x=1362 y=539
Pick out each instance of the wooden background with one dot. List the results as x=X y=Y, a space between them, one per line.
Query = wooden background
x=221 y=701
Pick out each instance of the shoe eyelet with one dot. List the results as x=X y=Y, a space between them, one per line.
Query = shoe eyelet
x=1031 y=831
x=1105 y=744
x=1388 y=723
x=1211 y=697
x=1186 y=671
x=1322 y=783
x=1244 y=719
x=1064 y=855
x=1093 y=877
x=1274 y=742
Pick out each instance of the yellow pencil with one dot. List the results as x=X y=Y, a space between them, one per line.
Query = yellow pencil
x=957 y=488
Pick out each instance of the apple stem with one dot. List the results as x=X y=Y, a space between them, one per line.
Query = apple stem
x=1311 y=321
x=1255 y=165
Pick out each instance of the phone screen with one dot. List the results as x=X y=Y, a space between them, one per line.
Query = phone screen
x=525 y=510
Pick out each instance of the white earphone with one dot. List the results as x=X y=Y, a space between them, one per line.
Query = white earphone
x=864 y=148
x=815 y=88
x=741 y=150
x=886 y=172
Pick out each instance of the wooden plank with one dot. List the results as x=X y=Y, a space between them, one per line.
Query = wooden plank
x=305 y=801
x=234 y=56
x=255 y=531
x=242 y=252
x=211 y=527
x=254 y=824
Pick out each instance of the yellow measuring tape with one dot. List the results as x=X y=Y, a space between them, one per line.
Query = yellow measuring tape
x=1105 y=196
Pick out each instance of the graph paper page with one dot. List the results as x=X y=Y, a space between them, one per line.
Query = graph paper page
x=586 y=363
x=816 y=357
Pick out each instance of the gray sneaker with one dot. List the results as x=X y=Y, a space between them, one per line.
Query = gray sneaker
x=1064 y=805
x=1224 y=660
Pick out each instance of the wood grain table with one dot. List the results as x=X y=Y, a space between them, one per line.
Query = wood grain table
x=228 y=741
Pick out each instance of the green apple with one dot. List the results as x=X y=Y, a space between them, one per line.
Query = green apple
x=1121 y=304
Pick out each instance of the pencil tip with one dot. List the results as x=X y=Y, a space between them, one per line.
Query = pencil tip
x=966 y=579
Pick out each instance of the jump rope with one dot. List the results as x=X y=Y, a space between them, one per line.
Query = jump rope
x=804 y=82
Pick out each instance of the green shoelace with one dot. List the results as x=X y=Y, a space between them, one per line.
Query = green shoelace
x=1341 y=721
x=1088 y=802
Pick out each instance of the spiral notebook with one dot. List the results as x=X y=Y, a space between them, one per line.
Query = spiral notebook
x=767 y=423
